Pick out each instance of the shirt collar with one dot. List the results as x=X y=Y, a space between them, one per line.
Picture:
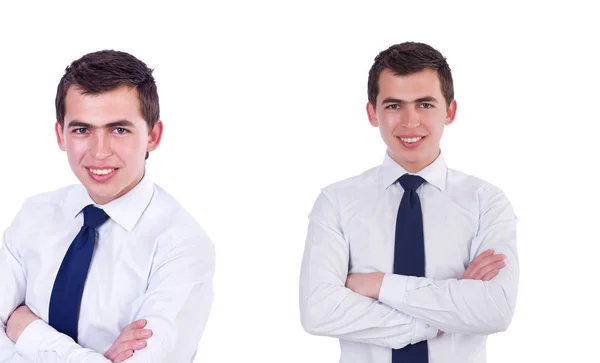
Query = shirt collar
x=125 y=210
x=434 y=173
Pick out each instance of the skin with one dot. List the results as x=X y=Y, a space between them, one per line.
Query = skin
x=409 y=106
x=106 y=131
x=132 y=338
x=103 y=131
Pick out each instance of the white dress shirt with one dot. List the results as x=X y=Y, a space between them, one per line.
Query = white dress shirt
x=352 y=230
x=151 y=261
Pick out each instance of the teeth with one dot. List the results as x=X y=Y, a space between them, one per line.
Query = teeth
x=101 y=171
x=410 y=139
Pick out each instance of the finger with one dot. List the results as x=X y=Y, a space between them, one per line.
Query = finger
x=493 y=258
x=481 y=257
x=490 y=275
x=478 y=275
x=477 y=269
x=129 y=345
x=486 y=253
x=134 y=335
x=123 y=356
x=138 y=324
x=132 y=340
x=487 y=260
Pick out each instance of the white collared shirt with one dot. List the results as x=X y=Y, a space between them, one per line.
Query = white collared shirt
x=152 y=260
x=352 y=230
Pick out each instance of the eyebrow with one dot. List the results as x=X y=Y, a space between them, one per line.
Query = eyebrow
x=120 y=123
x=418 y=100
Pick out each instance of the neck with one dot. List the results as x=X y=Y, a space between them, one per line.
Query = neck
x=417 y=166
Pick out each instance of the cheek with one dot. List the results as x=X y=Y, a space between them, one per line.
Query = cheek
x=434 y=125
x=387 y=123
x=130 y=148
x=76 y=148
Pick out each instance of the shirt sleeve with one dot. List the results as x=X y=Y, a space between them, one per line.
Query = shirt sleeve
x=176 y=306
x=13 y=284
x=41 y=343
x=178 y=300
x=466 y=306
x=328 y=308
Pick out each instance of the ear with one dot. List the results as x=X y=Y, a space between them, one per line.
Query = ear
x=60 y=138
x=155 y=136
x=372 y=116
x=450 y=113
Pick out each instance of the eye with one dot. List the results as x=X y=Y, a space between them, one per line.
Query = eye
x=80 y=130
x=393 y=106
x=121 y=131
x=426 y=105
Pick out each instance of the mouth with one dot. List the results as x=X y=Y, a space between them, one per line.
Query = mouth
x=411 y=142
x=101 y=174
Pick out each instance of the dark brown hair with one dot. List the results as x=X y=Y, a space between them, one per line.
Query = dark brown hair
x=104 y=71
x=407 y=58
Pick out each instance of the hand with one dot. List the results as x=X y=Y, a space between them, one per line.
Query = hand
x=18 y=321
x=133 y=337
x=368 y=284
x=484 y=267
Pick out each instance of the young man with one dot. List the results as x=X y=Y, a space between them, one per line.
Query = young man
x=410 y=261
x=94 y=272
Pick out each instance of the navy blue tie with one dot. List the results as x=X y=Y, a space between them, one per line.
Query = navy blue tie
x=409 y=255
x=65 y=300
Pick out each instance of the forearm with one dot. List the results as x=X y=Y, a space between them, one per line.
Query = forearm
x=13 y=285
x=338 y=312
x=177 y=302
x=328 y=308
x=41 y=343
x=454 y=306
x=463 y=306
x=176 y=332
x=8 y=350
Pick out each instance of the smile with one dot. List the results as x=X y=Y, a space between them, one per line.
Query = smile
x=102 y=174
x=101 y=171
x=411 y=140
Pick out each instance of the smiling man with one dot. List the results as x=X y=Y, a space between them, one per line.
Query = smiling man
x=111 y=269
x=410 y=261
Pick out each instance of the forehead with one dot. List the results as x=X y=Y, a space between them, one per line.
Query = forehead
x=412 y=86
x=121 y=103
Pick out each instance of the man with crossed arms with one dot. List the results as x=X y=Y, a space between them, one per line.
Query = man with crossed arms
x=145 y=263
x=410 y=261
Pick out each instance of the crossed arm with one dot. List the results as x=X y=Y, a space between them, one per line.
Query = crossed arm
x=394 y=310
x=132 y=338
x=183 y=275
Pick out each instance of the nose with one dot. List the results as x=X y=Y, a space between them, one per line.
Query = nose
x=101 y=148
x=409 y=118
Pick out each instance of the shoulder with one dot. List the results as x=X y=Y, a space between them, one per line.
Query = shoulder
x=178 y=226
x=353 y=186
x=37 y=213
x=474 y=191
x=47 y=203
x=460 y=181
x=345 y=193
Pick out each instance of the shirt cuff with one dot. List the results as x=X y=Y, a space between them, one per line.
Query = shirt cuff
x=423 y=332
x=393 y=290
x=32 y=338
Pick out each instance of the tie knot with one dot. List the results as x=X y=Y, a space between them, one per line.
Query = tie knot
x=411 y=181
x=94 y=217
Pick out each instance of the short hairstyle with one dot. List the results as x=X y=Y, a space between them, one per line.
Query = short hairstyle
x=407 y=58
x=104 y=71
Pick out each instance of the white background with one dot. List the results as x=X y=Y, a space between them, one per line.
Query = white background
x=263 y=105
